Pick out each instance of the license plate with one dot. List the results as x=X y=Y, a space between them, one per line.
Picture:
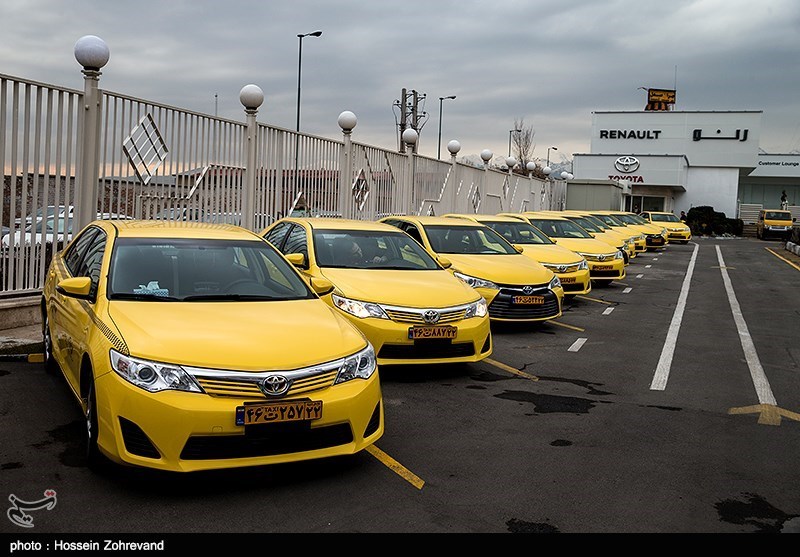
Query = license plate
x=567 y=280
x=603 y=267
x=658 y=240
x=436 y=331
x=279 y=412
x=527 y=300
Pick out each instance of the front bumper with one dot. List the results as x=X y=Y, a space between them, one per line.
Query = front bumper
x=504 y=307
x=184 y=432
x=612 y=269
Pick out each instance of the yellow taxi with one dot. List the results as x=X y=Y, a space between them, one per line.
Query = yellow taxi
x=570 y=268
x=637 y=236
x=196 y=346
x=655 y=235
x=677 y=230
x=410 y=308
x=606 y=262
x=774 y=223
x=516 y=288
x=598 y=230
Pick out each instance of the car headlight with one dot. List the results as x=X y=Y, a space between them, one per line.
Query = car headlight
x=583 y=265
x=360 y=365
x=619 y=255
x=361 y=310
x=663 y=231
x=555 y=282
x=476 y=282
x=477 y=309
x=152 y=376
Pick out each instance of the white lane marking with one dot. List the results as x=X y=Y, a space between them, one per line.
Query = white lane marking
x=655 y=259
x=639 y=275
x=647 y=266
x=760 y=381
x=577 y=345
x=608 y=310
x=627 y=290
x=659 y=382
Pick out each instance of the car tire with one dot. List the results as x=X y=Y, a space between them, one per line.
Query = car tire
x=604 y=282
x=94 y=458
x=50 y=365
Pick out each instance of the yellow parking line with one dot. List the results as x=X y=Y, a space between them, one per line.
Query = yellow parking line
x=35 y=358
x=768 y=414
x=573 y=327
x=594 y=300
x=396 y=467
x=783 y=258
x=510 y=369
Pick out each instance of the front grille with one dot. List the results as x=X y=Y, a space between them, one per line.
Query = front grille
x=136 y=440
x=414 y=316
x=573 y=287
x=560 y=269
x=677 y=235
x=605 y=274
x=502 y=307
x=245 y=387
x=278 y=441
x=601 y=258
x=427 y=348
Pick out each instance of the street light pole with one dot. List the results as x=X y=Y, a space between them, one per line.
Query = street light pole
x=509 y=140
x=439 y=148
x=299 y=68
x=548 y=154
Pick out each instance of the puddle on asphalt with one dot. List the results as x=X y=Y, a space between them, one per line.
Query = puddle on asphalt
x=548 y=404
x=516 y=526
x=561 y=443
x=755 y=511
x=670 y=408
x=70 y=436
x=10 y=465
x=588 y=385
x=4 y=372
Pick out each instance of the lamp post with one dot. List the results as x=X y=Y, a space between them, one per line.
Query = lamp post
x=439 y=145
x=509 y=140
x=548 y=154
x=299 y=68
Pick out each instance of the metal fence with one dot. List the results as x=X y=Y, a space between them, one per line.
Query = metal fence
x=67 y=160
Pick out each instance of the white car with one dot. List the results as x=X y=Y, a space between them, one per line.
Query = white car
x=58 y=229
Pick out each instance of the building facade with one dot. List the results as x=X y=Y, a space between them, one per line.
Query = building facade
x=676 y=160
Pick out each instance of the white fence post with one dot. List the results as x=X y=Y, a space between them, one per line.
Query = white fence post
x=251 y=96
x=92 y=53
x=410 y=137
x=347 y=121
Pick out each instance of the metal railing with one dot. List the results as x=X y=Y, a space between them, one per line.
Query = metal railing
x=160 y=162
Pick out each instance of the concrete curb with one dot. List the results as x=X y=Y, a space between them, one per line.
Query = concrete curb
x=792 y=247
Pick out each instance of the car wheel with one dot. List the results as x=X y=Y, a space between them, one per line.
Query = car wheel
x=603 y=282
x=94 y=458
x=50 y=365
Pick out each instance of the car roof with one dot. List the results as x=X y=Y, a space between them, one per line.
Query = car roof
x=483 y=218
x=429 y=220
x=325 y=223
x=175 y=229
x=543 y=215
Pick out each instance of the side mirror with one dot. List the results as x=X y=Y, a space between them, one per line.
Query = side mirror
x=321 y=286
x=297 y=259
x=518 y=247
x=76 y=287
x=444 y=262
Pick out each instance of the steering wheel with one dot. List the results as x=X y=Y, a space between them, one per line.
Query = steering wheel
x=239 y=282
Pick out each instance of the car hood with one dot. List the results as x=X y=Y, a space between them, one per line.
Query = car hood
x=586 y=245
x=418 y=289
x=551 y=253
x=501 y=269
x=250 y=336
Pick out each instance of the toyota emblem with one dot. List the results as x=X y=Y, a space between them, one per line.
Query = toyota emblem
x=627 y=164
x=601 y=257
x=561 y=268
x=527 y=290
x=430 y=316
x=274 y=385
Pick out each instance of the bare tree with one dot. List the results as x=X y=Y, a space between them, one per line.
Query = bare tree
x=523 y=144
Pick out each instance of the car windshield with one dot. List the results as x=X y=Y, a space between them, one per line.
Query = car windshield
x=519 y=232
x=586 y=224
x=609 y=220
x=178 y=269
x=778 y=215
x=556 y=228
x=472 y=240
x=664 y=217
x=631 y=219
x=370 y=249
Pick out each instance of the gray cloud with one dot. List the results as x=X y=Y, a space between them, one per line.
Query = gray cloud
x=550 y=63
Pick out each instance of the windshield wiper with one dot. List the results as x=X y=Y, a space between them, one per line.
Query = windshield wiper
x=142 y=297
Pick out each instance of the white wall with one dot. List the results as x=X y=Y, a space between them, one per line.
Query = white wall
x=715 y=187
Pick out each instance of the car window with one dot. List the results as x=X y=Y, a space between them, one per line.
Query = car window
x=519 y=232
x=92 y=262
x=560 y=228
x=76 y=251
x=200 y=269
x=412 y=231
x=296 y=241
x=370 y=249
x=778 y=215
x=468 y=240
x=276 y=234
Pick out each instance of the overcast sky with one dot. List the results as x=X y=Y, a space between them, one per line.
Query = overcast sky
x=550 y=63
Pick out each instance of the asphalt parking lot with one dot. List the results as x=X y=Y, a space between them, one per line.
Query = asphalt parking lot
x=668 y=402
